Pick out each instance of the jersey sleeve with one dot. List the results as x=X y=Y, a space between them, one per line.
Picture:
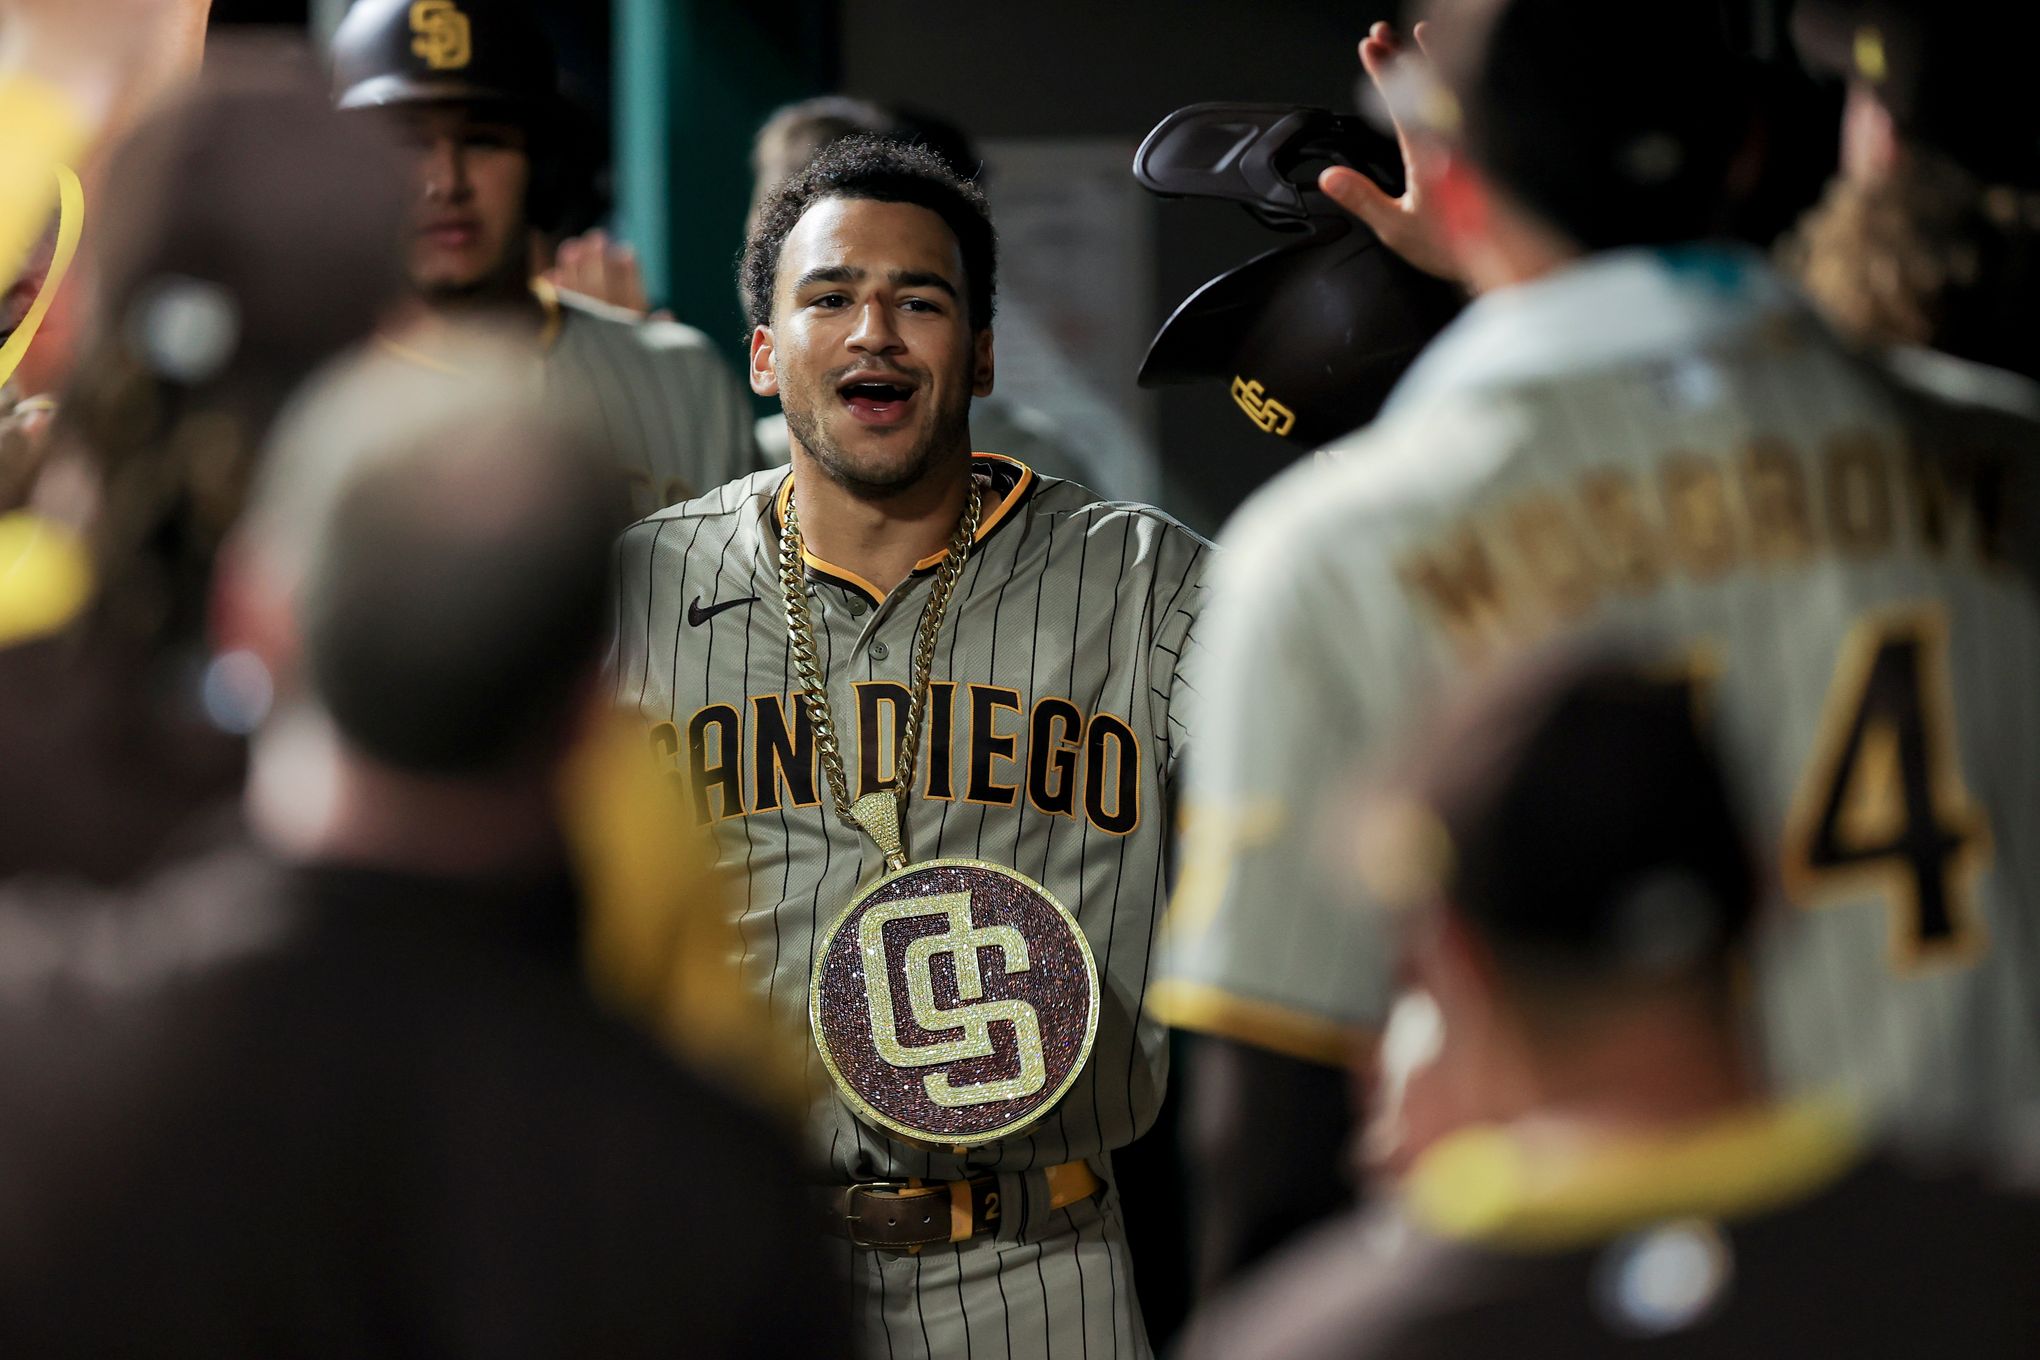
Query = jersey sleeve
x=1177 y=660
x=636 y=686
x=1265 y=941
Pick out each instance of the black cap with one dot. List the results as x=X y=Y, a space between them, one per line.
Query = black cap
x=1570 y=810
x=1949 y=72
x=1614 y=120
x=1310 y=337
x=417 y=51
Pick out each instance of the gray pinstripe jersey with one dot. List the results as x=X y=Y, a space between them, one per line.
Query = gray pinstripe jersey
x=660 y=396
x=1668 y=447
x=1051 y=746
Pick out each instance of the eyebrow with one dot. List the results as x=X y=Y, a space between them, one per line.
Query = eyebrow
x=899 y=278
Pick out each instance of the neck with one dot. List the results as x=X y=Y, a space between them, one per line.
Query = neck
x=1652 y=1071
x=879 y=538
x=1513 y=252
x=508 y=300
x=313 y=799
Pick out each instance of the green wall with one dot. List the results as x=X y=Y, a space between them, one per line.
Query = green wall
x=694 y=78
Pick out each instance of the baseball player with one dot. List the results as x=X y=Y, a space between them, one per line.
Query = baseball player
x=903 y=663
x=788 y=140
x=1608 y=1176
x=206 y=318
x=472 y=89
x=1630 y=431
x=345 y=1075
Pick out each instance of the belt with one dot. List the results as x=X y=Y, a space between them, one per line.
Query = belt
x=908 y=1215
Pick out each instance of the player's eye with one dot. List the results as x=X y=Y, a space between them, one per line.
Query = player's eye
x=922 y=305
x=831 y=301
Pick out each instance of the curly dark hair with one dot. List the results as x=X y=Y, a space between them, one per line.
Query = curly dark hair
x=888 y=171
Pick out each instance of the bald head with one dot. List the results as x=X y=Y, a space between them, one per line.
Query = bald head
x=445 y=550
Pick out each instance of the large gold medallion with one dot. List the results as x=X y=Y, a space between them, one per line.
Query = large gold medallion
x=954 y=1002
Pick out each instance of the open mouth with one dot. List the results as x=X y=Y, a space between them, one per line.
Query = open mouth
x=876 y=401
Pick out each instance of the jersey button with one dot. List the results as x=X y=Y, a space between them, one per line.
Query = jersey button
x=856 y=605
x=879 y=651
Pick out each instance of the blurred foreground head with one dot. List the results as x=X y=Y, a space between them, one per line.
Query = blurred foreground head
x=1565 y=840
x=1931 y=234
x=427 y=564
x=245 y=243
x=1600 y=123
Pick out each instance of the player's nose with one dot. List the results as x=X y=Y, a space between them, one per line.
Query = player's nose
x=875 y=332
x=442 y=170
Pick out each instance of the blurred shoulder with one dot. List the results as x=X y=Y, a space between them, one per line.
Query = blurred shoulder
x=1064 y=498
x=749 y=496
x=608 y=326
x=1339 y=506
x=1149 y=534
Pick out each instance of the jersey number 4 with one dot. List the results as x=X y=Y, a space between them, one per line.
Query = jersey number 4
x=1881 y=806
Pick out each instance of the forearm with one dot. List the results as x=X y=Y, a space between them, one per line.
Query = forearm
x=1268 y=1141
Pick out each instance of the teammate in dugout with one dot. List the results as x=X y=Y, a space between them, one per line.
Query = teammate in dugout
x=473 y=92
x=1604 y=1174
x=1633 y=429
x=900 y=627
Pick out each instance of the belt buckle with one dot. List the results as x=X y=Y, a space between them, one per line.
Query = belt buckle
x=899 y=1191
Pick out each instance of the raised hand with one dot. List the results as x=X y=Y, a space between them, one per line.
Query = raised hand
x=1403 y=224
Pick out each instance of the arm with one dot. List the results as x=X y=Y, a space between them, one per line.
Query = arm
x=1267 y=963
x=1266 y=1139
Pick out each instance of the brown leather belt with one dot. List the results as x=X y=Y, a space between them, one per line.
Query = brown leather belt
x=908 y=1215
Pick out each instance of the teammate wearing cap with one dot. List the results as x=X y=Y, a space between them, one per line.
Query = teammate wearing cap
x=1605 y=1172
x=1930 y=234
x=901 y=629
x=473 y=90
x=1627 y=431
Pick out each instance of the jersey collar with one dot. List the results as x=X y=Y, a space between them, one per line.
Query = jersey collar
x=1012 y=482
x=1616 y=307
x=548 y=333
x=1489 y=1185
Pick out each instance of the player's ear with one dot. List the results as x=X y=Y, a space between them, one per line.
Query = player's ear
x=764 y=363
x=247 y=618
x=981 y=363
x=1461 y=194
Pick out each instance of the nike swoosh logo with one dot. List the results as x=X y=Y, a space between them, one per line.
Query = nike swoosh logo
x=696 y=615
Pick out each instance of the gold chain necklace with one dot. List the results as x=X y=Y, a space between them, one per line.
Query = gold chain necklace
x=877 y=814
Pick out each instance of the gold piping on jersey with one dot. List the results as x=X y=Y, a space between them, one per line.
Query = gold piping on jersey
x=994 y=516
x=1488 y=1184
x=1212 y=1010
